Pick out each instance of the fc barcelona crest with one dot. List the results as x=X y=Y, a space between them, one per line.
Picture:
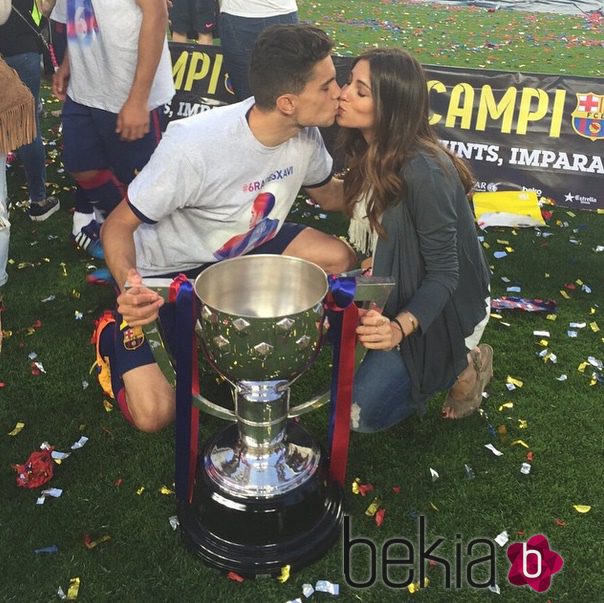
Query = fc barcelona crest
x=588 y=116
x=133 y=338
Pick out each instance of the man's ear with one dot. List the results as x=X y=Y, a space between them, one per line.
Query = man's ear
x=286 y=103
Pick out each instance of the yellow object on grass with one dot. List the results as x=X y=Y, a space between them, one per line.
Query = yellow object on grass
x=507 y=208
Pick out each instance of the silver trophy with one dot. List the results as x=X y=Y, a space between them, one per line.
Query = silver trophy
x=262 y=496
x=261 y=326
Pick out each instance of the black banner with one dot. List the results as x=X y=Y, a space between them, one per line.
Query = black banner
x=518 y=131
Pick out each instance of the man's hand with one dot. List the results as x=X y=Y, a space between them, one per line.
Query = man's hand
x=137 y=304
x=132 y=121
x=60 y=80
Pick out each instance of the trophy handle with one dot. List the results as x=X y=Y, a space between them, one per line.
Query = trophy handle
x=371 y=293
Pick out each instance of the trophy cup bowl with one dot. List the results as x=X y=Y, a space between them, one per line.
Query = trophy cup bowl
x=261 y=316
x=262 y=498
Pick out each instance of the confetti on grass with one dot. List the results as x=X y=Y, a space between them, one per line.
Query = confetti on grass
x=17 y=429
x=582 y=508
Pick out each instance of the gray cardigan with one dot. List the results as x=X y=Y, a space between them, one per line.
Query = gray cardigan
x=442 y=277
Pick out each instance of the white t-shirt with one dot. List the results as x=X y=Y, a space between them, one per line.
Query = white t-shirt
x=203 y=181
x=59 y=12
x=258 y=8
x=102 y=38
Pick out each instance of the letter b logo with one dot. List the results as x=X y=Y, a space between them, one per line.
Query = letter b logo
x=533 y=563
x=530 y=570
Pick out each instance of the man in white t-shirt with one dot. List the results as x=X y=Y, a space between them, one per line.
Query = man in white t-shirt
x=192 y=203
x=115 y=79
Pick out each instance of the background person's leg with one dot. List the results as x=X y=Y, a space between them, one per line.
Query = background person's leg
x=180 y=20
x=235 y=50
x=32 y=155
x=205 y=17
x=4 y=223
x=85 y=158
x=126 y=158
x=237 y=38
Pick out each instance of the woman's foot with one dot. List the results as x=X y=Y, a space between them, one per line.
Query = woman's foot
x=465 y=396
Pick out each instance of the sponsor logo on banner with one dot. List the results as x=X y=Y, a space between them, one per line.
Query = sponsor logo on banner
x=588 y=116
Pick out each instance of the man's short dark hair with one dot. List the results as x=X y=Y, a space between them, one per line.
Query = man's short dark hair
x=283 y=60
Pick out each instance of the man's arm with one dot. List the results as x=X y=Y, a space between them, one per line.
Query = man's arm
x=117 y=236
x=133 y=119
x=330 y=196
x=137 y=304
x=60 y=78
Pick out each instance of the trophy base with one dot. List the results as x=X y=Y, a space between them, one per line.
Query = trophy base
x=258 y=536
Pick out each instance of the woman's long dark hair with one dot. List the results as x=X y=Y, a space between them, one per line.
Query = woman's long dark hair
x=401 y=101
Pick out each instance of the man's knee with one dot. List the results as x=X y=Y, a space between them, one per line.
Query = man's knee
x=343 y=258
x=333 y=254
x=149 y=412
x=150 y=423
x=150 y=399
x=337 y=256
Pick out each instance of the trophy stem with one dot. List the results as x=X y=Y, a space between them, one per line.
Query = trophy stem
x=261 y=408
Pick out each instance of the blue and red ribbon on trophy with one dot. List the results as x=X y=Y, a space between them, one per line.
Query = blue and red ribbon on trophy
x=343 y=316
x=186 y=424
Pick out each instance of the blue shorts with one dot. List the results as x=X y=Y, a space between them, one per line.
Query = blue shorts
x=91 y=143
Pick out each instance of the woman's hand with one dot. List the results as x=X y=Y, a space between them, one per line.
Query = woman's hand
x=376 y=332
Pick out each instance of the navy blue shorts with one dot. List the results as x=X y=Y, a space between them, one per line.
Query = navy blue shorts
x=91 y=143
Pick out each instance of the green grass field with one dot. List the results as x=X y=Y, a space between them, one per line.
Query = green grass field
x=114 y=486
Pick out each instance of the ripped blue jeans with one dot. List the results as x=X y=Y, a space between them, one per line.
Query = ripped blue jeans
x=381 y=395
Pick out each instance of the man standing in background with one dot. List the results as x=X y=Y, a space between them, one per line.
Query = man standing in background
x=114 y=79
x=241 y=22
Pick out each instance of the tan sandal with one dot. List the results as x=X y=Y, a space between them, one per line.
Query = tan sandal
x=482 y=364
